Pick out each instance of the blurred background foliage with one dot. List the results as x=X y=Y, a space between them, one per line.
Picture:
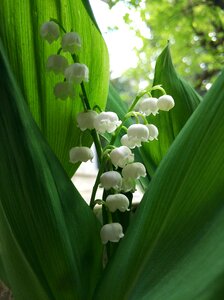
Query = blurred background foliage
x=195 y=30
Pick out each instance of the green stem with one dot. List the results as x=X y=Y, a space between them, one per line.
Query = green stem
x=85 y=98
x=97 y=143
x=95 y=187
x=87 y=106
x=59 y=24
x=158 y=87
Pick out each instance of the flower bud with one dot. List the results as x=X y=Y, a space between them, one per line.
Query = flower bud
x=148 y=106
x=71 y=42
x=76 y=73
x=112 y=232
x=111 y=179
x=85 y=120
x=137 y=133
x=165 y=102
x=80 y=154
x=121 y=156
x=50 y=31
x=134 y=171
x=106 y=122
x=153 y=132
x=63 y=90
x=117 y=201
x=56 y=63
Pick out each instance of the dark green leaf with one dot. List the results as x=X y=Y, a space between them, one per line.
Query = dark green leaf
x=174 y=247
x=48 y=234
x=169 y=123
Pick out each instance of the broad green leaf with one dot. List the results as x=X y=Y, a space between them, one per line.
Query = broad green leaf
x=20 y=23
x=115 y=103
x=174 y=247
x=48 y=234
x=169 y=123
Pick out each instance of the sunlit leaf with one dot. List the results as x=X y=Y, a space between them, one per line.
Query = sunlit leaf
x=169 y=123
x=48 y=234
x=20 y=23
x=174 y=246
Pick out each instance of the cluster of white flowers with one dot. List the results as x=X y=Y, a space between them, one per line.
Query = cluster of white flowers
x=118 y=172
x=74 y=73
x=152 y=105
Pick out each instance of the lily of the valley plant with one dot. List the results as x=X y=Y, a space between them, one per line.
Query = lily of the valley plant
x=55 y=104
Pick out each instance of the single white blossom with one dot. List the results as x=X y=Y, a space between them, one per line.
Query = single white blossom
x=111 y=179
x=136 y=134
x=86 y=119
x=153 y=132
x=71 y=42
x=56 y=63
x=117 y=201
x=148 y=106
x=80 y=154
x=112 y=232
x=106 y=122
x=50 y=31
x=121 y=156
x=165 y=102
x=134 y=170
x=76 y=73
x=63 y=90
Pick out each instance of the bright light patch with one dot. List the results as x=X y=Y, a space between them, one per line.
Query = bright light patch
x=120 y=43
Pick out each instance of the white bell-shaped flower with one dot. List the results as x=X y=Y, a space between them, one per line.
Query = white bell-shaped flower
x=121 y=156
x=165 y=102
x=63 y=90
x=106 y=122
x=130 y=143
x=50 y=31
x=148 y=106
x=153 y=132
x=56 y=63
x=71 y=42
x=76 y=73
x=80 y=154
x=134 y=170
x=128 y=184
x=86 y=119
x=112 y=232
x=111 y=179
x=117 y=201
x=137 y=133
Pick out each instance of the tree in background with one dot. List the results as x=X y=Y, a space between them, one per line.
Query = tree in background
x=194 y=28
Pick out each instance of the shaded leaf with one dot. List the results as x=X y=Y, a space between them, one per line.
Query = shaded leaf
x=169 y=123
x=174 y=247
x=20 y=23
x=3 y=276
x=47 y=232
